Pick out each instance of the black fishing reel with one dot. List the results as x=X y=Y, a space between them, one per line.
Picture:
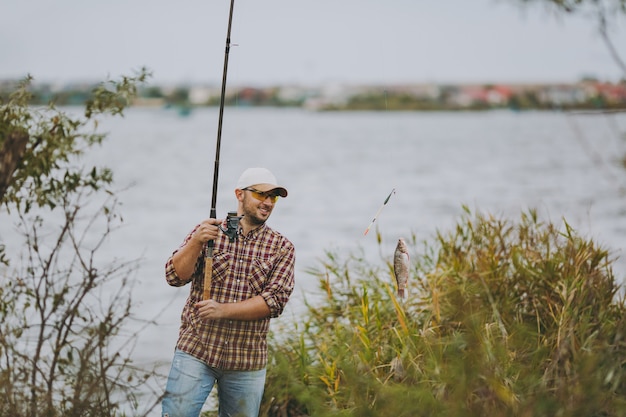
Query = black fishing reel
x=232 y=225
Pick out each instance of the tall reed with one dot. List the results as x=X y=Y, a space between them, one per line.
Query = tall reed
x=503 y=318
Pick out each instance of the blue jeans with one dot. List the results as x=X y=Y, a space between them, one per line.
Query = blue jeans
x=190 y=382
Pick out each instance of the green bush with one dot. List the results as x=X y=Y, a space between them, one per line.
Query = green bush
x=503 y=318
x=64 y=350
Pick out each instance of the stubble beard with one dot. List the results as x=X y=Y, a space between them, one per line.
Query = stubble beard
x=250 y=211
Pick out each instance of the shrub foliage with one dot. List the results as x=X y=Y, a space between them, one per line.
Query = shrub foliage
x=63 y=308
x=503 y=318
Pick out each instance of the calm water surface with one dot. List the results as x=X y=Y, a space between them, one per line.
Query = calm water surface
x=339 y=167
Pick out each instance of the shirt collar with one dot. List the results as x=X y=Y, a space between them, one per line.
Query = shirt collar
x=254 y=232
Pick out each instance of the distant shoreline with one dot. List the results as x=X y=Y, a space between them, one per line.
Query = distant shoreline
x=586 y=95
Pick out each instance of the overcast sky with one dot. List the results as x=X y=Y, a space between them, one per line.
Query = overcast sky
x=301 y=41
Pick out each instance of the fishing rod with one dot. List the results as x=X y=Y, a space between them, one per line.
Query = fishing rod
x=232 y=218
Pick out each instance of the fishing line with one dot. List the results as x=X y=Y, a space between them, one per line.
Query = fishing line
x=595 y=156
x=386 y=101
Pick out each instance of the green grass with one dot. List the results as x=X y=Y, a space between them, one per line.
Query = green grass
x=503 y=318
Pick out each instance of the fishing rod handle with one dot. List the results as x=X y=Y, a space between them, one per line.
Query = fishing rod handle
x=208 y=271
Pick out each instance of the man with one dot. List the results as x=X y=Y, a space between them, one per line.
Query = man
x=223 y=339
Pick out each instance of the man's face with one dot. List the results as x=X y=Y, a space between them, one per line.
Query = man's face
x=256 y=207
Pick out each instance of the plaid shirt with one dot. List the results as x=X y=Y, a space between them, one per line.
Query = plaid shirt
x=260 y=263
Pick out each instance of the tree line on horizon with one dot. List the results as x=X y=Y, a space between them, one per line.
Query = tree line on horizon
x=587 y=94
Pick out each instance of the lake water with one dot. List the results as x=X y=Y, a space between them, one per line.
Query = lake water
x=339 y=168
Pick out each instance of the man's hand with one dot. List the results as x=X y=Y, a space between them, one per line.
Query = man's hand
x=210 y=309
x=207 y=230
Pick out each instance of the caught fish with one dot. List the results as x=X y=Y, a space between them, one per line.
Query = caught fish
x=401 y=267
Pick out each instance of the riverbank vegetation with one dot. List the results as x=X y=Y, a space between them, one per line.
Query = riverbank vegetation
x=63 y=309
x=503 y=318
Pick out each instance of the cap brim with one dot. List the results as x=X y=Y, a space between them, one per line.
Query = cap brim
x=265 y=188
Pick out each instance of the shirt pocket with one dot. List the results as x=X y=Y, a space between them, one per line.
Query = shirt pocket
x=259 y=275
x=221 y=266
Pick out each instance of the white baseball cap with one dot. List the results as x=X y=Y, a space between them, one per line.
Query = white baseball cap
x=260 y=179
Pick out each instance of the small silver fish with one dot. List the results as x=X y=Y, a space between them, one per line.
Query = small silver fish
x=401 y=267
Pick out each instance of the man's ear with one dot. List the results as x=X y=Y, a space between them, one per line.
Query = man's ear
x=239 y=194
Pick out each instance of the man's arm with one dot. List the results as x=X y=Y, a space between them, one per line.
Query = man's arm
x=184 y=260
x=253 y=308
